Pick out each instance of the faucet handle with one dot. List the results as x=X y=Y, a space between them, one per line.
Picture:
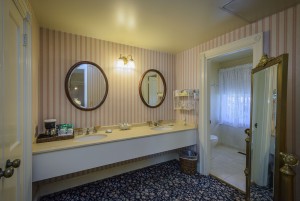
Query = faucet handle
x=94 y=130
x=78 y=131
x=97 y=128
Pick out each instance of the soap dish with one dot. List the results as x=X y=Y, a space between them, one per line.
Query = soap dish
x=124 y=126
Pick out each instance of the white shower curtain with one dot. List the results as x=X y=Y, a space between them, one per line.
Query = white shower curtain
x=235 y=95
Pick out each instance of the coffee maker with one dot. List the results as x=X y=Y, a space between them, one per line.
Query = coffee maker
x=50 y=127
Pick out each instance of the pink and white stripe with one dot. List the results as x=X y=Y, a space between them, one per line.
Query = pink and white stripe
x=59 y=51
x=284 y=37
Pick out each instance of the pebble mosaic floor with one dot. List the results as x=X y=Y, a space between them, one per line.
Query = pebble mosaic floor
x=159 y=182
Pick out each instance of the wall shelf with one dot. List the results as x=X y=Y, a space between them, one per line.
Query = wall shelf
x=185 y=99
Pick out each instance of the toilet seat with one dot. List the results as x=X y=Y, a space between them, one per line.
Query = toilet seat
x=214 y=140
x=213 y=137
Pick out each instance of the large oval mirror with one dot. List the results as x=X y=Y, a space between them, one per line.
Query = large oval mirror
x=86 y=85
x=152 y=88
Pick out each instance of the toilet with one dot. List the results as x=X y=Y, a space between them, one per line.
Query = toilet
x=213 y=140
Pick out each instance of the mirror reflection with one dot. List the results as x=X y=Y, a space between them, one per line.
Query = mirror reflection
x=264 y=128
x=152 y=88
x=266 y=140
x=86 y=85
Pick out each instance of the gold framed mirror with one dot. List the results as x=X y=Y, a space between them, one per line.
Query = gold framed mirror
x=267 y=135
x=152 y=88
x=86 y=85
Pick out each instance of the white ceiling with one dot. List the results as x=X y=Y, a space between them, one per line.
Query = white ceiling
x=164 y=25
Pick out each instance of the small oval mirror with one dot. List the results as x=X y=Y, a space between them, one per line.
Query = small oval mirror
x=152 y=88
x=86 y=85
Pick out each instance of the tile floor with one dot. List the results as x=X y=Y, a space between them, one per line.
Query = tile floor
x=228 y=165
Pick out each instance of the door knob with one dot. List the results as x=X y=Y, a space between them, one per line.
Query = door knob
x=247 y=131
x=15 y=164
x=9 y=168
x=8 y=172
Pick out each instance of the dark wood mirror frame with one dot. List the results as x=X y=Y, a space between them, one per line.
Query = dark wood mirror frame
x=164 y=84
x=67 y=87
x=283 y=184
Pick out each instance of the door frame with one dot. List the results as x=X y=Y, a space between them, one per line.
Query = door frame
x=254 y=42
x=27 y=143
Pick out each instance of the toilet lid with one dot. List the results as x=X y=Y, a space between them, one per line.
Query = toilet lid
x=213 y=137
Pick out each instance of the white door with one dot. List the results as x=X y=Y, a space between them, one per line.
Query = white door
x=152 y=90
x=14 y=103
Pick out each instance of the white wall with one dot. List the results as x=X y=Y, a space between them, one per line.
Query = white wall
x=214 y=97
x=232 y=136
x=236 y=62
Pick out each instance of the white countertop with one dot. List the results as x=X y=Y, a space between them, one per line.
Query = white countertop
x=116 y=135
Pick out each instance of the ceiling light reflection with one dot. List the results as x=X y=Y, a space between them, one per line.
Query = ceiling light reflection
x=126 y=17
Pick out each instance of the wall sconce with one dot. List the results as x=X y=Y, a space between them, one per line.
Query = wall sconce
x=125 y=62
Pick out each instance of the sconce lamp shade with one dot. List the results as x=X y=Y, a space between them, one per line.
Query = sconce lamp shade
x=120 y=63
x=130 y=64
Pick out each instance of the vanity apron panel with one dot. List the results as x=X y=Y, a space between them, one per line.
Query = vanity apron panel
x=57 y=163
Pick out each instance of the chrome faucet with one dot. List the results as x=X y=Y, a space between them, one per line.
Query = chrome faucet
x=157 y=123
x=149 y=123
x=154 y=123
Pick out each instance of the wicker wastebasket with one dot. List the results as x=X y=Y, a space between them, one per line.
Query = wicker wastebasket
x=188 y=162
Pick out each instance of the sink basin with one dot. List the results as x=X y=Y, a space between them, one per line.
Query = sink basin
x=90 y=138
x=162 y=128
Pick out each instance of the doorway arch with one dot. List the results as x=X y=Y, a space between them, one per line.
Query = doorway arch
x=255 y=43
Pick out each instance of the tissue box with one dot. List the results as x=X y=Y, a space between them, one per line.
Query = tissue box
x=65 y=129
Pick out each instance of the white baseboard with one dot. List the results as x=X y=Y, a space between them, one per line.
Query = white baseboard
x=54 y=185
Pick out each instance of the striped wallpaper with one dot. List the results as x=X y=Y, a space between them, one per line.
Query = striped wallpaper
x=284 y=37
x=59 y=51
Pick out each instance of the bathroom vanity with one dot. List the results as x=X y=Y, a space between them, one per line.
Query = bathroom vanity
x=58 y=158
